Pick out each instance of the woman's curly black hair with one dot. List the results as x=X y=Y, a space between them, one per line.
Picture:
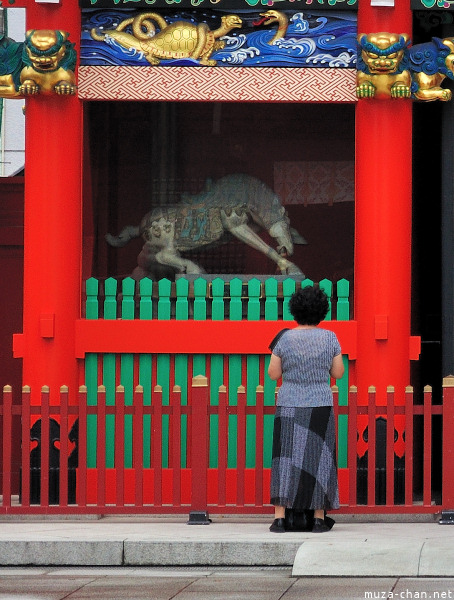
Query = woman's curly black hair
x=309 y=305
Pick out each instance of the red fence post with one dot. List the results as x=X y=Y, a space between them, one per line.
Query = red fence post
x=81 y=487
x=447 y=514
x=390 y=402
x=175 y=455
x=199 y=458
x=372 y=449
x=138 y=444
x=156 y=435
x=45 y=446
x=409 y=445
x=25 y=452
x=101 y=446
x=241 y=445
x=427 y=452
x=120 y=445
x=64 y=453
x=259 y=403
x=7 y=427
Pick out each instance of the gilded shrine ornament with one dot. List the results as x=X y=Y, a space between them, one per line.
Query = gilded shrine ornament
x=43 y=64
x=181 y=39
x=380 y=73
x=389 y=67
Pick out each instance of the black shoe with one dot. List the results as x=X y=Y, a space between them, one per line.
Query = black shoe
x=278 y=526
x=298 y=520
x=329 y=522
x=320 y=526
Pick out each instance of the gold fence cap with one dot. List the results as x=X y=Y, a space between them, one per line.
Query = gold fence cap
x=448 y=381
x=200 y=381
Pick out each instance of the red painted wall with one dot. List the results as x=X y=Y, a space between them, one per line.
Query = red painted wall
x=12 y=272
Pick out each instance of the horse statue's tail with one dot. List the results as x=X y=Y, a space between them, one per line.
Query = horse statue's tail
x=127 y=234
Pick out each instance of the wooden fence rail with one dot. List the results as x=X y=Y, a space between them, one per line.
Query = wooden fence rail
x=389 y=467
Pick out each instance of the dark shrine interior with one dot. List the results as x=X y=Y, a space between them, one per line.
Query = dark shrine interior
x=158 y=150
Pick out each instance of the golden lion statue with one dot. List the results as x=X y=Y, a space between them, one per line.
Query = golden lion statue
x=430 y=63
x=43 y=64
x=380 y=73
x=49 y=61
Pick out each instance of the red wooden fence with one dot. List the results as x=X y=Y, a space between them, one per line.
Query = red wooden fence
x=195 y=486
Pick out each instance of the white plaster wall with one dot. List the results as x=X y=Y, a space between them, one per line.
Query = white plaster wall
x=12 y=139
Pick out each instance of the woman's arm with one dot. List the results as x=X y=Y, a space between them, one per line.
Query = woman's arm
x=275 y=367
x=337 y=367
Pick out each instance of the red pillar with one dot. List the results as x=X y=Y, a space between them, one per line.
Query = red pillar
x=383 y=225
x=52 y=224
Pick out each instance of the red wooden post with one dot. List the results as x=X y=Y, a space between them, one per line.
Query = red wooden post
x=63 y=495
x=120 y=444
x=335 y=392
x=101 y=447
x=156 y=440
x=427 y=469
x=7 y=428
x=52 y=224
x=408 y=445
x=175 y=419
x=390 y=400
x=241 y=446
x=352 y=452
x=25 y=483
x=383 y=225
x=222 y=444
x=259 y=435
x=199 y=466
x=81 y=496
x=371 y=446
x=448 y=445
x=45 y=443
x=138 y=444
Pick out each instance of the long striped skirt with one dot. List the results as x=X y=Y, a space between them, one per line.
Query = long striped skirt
x=304 y=468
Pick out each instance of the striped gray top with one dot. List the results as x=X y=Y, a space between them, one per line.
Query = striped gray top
x=306 y=356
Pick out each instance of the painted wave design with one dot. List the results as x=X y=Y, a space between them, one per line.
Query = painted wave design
x=310 y=41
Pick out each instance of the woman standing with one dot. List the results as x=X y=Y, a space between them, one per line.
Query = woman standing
x=304 y=470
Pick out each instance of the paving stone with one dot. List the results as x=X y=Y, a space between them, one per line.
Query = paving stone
x=132 y=589
x=335 y=588
x=209 y=553
x=358 y=558
x=232 y=584
x=437 y=558
x=428 y=588
x=61 y=552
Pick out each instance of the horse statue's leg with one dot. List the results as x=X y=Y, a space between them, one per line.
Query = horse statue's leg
x=244 y=233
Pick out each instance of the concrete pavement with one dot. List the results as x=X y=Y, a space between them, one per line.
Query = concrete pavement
x=145 y=583
x=352 y=548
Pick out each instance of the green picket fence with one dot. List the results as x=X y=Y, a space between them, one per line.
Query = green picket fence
x=199 y=300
